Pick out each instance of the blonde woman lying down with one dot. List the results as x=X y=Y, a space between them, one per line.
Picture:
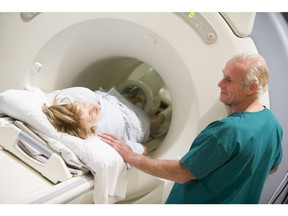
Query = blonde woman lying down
x=108 y=112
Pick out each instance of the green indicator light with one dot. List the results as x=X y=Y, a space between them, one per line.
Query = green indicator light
x=191 y=14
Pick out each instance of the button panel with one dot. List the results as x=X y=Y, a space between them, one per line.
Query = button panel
x=203 y=28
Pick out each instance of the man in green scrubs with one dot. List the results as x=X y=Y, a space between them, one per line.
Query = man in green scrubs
x=230 y=159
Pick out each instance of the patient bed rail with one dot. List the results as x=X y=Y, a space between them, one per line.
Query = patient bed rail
x=54 y=169
x=28 y=139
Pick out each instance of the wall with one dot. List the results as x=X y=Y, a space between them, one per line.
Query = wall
x=270 y=34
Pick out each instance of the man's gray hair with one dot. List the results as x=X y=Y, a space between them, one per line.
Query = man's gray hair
x=258 y=71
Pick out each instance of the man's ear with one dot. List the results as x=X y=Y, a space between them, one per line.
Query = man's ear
x=253 y=88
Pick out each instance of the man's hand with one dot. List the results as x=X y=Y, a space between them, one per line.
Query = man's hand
x=117 y=143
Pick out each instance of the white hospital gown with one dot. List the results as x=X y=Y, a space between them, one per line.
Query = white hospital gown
x=122 y=118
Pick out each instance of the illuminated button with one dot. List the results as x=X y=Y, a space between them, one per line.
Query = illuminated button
x=191 y=14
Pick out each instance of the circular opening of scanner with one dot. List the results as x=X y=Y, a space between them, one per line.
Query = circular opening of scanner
x=105 y=53
x=115 y=48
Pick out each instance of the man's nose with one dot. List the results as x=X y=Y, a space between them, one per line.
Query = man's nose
x=220 y=83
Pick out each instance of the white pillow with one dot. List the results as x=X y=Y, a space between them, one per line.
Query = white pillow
x=26 y=106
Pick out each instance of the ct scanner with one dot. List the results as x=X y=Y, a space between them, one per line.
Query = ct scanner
x=58 y=50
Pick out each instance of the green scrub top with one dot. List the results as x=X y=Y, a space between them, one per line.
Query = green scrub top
x=231 y=158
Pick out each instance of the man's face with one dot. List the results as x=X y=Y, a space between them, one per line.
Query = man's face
x=231 y=90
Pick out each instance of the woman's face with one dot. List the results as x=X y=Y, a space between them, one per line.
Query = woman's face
x=90 y=113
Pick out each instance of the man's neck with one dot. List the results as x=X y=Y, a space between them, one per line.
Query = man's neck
x=253 y=105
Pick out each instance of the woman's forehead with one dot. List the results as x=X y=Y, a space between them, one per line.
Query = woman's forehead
x=80 y=103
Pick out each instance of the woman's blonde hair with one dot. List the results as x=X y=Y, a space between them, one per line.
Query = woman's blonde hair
x=66 y=118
